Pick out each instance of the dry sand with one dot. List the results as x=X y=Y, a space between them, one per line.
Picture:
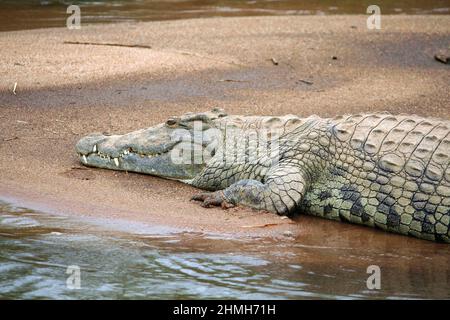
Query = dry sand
x=65 y=91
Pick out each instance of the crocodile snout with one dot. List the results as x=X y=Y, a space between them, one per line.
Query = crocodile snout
x=89 y=143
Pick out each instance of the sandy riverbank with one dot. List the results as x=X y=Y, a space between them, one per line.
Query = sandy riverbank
x=67 y=90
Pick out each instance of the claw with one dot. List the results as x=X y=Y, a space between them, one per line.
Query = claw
x=210 y=199
x=227 y=205
x=200 y=196
x=212 y=202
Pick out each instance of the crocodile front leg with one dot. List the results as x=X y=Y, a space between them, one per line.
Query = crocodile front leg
x=280 y=192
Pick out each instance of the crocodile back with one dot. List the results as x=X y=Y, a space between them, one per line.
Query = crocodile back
x=386 y=171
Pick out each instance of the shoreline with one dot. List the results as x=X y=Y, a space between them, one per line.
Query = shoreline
x=66 y=91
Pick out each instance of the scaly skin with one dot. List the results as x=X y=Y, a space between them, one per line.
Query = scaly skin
x=378 y=170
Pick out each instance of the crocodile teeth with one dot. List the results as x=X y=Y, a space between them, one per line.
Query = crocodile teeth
x=94 y=149
x=116 y=161
x=84 y=159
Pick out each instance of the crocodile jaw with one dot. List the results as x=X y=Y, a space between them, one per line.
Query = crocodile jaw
x=148 y=151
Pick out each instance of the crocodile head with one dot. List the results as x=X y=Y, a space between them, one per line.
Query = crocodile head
x=174 y=149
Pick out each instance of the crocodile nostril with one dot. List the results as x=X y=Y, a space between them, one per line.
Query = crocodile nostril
x=171 y=122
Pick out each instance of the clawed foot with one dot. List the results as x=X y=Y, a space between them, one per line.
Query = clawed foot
x=210 y=199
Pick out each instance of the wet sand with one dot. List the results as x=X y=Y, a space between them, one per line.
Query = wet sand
x=66 y=90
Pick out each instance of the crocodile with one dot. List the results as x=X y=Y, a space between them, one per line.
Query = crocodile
x=380 y=170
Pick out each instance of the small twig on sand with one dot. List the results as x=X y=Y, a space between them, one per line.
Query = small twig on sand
x=14 y=89
x=10 y=139
x=274 y=61
x=267 y=225
x=442 y=58
x=309 y=83
x=231 y=80
x=109 y=44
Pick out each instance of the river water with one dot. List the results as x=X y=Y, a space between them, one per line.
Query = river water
x=116 y=259
x=31 y=14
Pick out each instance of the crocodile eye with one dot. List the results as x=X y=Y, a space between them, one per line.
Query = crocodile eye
x=171 y=122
